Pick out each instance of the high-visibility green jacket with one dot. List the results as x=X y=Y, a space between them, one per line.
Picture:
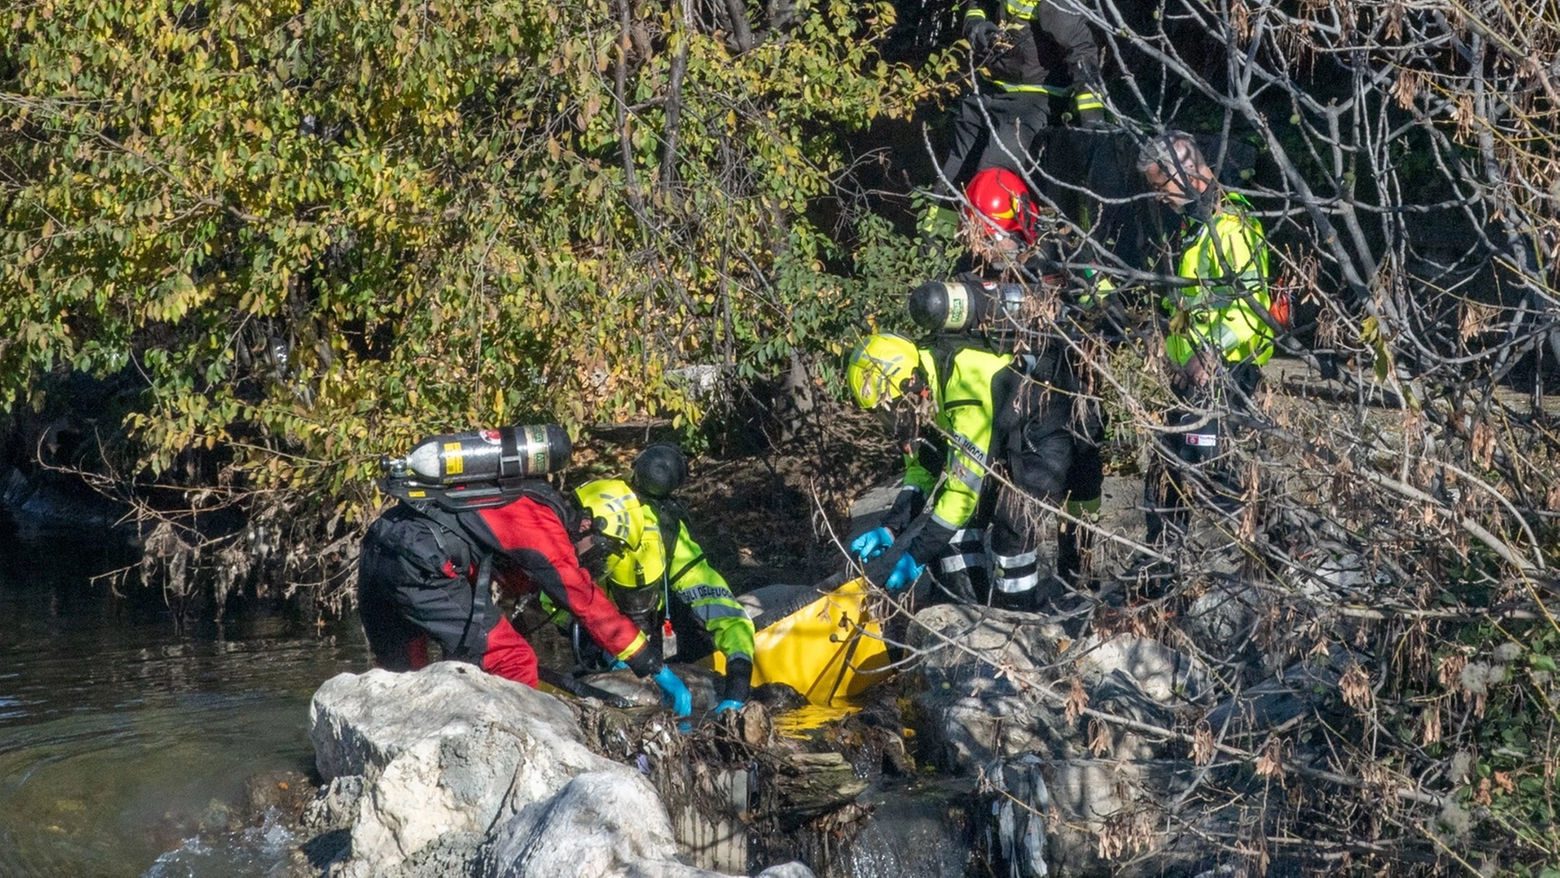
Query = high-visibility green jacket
x=972 y=390
x=1225 y=260
x=685 y=575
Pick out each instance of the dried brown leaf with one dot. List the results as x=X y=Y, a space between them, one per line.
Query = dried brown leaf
x=1355 y=685
x=1077 y=700
x=1202 y=744
x=1406 y=88
x=1430 y=725
x=1271 y=762
x=1100 y=741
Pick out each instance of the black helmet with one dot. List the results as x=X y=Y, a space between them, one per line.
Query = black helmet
x=659 y=470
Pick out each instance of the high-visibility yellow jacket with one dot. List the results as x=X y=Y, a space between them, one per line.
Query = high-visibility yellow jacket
x=685 y=575
x=972 y=388
x=1225 y=261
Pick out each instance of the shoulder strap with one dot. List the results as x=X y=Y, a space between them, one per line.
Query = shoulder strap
x=446 y=523
x=944 y=349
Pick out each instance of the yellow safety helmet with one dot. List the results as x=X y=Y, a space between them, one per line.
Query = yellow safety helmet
x=619 y=515
x=880 y=368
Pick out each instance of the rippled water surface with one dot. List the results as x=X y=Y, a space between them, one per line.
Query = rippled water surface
x=122 y=739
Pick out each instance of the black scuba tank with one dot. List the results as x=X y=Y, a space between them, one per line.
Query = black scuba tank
x=948 y=306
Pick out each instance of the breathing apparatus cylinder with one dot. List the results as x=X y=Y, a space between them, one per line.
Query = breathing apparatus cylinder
x=939 y=306
x=515 y=452
x=476 y=470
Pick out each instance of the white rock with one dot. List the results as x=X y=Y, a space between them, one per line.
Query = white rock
x=446 y=750
x=792 y=869
x=1164 y=674
x=362 y=720
x=608 y=824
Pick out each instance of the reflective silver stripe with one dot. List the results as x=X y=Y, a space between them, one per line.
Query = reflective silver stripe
x=966 y=476
x=968 y=446
x=938 y=519
x=718 y=611
x=1014 y=586
x=968 y=541
x=1015 y=561
x=955 y=563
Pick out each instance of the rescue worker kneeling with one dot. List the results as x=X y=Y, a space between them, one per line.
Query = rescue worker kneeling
x=658 y=576
x=425 y=572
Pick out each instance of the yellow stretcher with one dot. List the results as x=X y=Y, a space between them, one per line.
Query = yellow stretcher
x=822 y=643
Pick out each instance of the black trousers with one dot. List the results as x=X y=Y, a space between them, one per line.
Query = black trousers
x=993 y=130
x=1198 y=452
x=405 y=597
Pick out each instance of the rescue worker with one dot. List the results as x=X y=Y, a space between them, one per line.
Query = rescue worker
x=425 y=573
x=996 y=125
x=1039 y=423
x=656 y=563
x=1219 y=334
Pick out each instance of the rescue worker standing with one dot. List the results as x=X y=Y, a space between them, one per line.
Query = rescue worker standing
x=1016 y=43
x=1219 y=335
x=1028 y=413
x=425 y=572
x=655 y=562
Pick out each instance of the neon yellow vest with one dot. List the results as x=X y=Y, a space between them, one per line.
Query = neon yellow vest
x=1227 y=262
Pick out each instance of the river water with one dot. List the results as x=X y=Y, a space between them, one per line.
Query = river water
x=126 y=743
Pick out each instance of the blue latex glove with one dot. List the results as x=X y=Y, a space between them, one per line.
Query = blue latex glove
x=731 y=704
x=872 y=543
x=906 y=571
x=673 y=691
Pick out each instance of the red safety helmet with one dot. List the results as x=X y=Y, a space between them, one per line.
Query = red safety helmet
x=1001 y=202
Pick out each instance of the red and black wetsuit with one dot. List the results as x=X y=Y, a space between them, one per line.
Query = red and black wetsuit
x=535 y=552
x=421 y=576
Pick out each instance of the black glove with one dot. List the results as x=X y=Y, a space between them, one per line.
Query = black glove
x=739 y=680
x=645 y=663
x=982 y=34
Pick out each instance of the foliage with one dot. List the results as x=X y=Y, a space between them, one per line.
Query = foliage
x=310 y=233
x=317 y=231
